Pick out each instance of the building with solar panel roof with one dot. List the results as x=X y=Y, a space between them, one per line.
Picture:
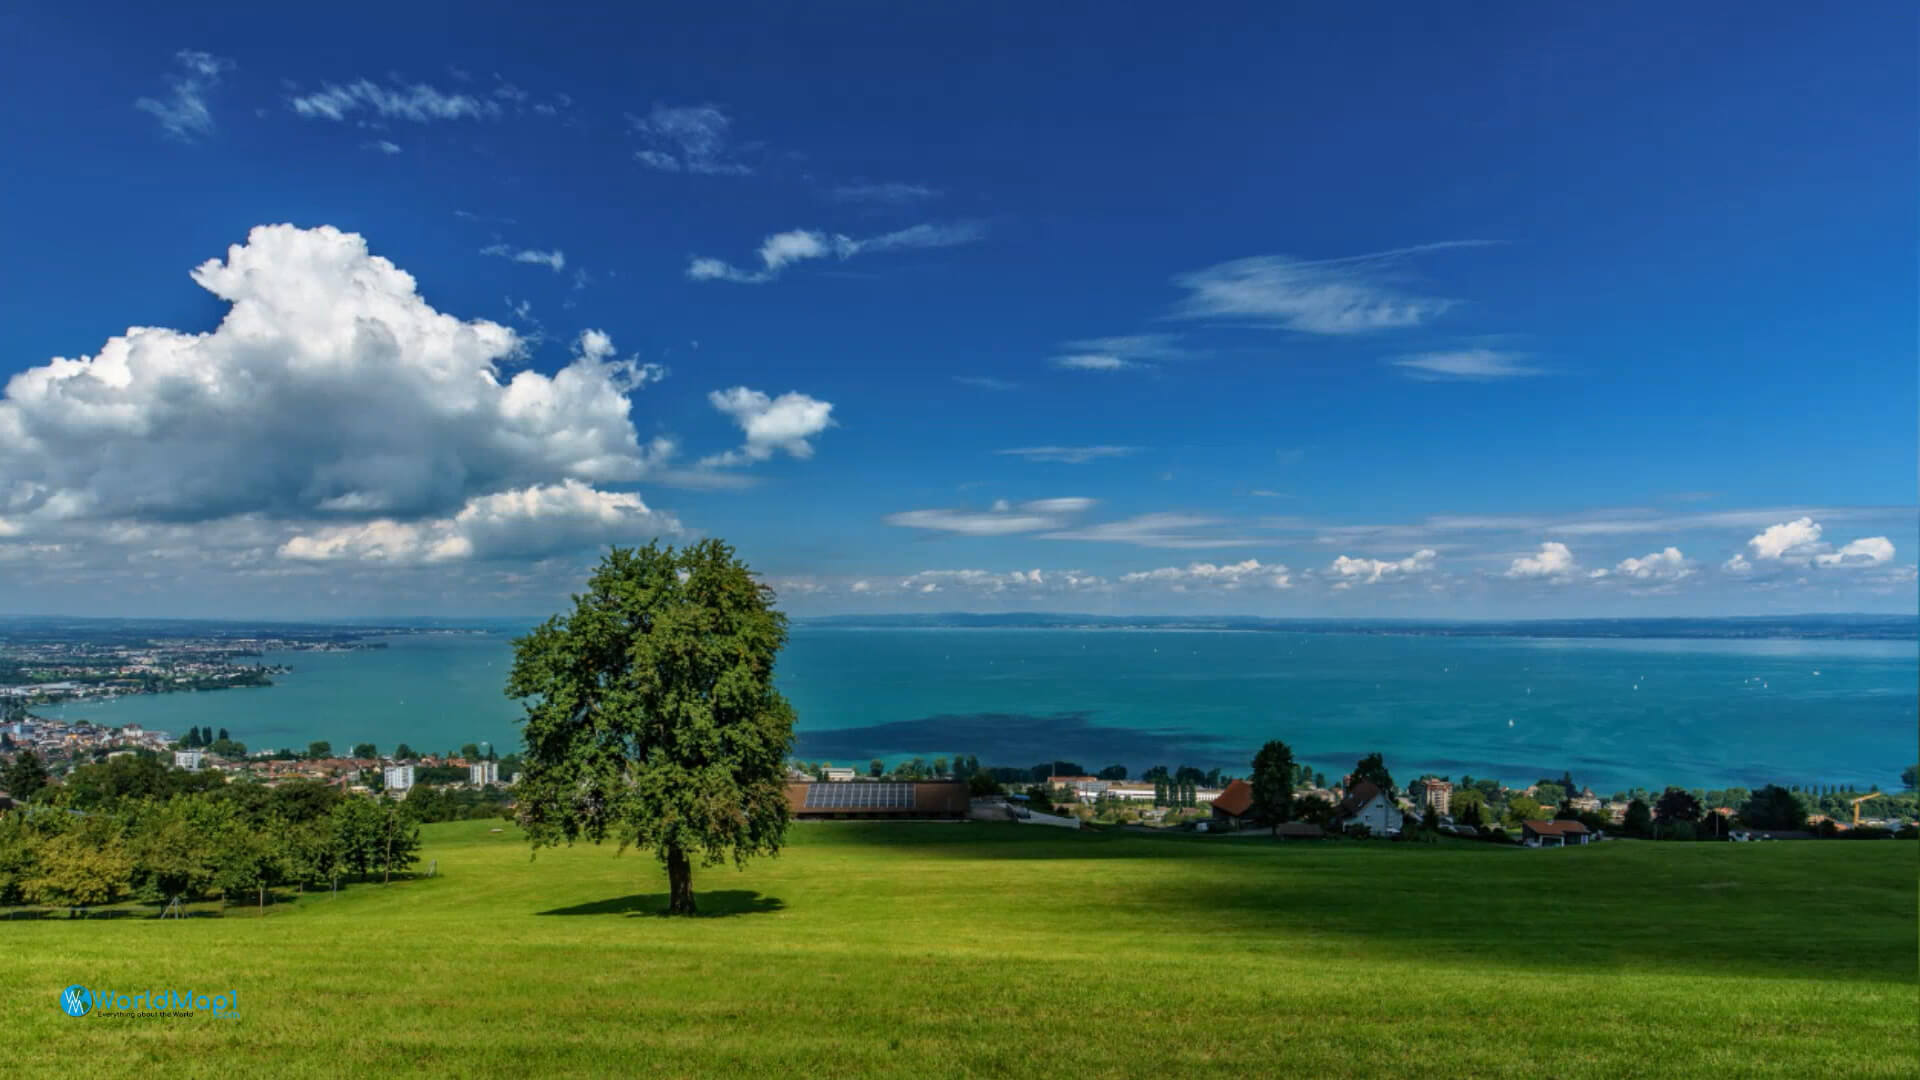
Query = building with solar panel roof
x=840 y=799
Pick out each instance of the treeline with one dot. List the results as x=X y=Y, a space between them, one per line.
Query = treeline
x=122 y=831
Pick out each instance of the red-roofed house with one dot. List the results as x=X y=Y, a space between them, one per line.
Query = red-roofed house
x=1553 y=833
x=1234 y=807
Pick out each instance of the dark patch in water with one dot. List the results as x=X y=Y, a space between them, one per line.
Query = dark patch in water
x=1019 y=739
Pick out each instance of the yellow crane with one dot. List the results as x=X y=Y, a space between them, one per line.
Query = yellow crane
x=1856 y=807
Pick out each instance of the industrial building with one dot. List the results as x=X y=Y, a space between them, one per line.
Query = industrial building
x=943 y=800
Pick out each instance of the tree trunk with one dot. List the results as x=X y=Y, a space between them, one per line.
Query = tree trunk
x=679 y=883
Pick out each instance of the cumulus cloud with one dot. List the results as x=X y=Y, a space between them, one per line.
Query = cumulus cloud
x=1867 y=551
x=1348 y=570
x=330 y=388
x=1229 y=576
x=1665 y=565
x=687 y=138
x=418 y=103
x=1465 y=364
x=1798 y=543
x=1071 y=455
x=183 y=112
x=1553 y=560
x=1003 y=519
x=986 y=581
x=553 y=260
x=781 y=250
x=782 y=423
x=529 y=523
x=1353 y=295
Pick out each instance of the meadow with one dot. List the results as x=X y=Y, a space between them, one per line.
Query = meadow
x=994 y=950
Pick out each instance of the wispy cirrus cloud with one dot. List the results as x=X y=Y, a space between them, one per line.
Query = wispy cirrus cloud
x=1070 y=455
x=884 y=194
x=1163 y=530
x=782 y=250
x=696 y=139
x=1354 y=295
x=183 y=112
x=555 y=260
x=1119 y=353
x=1002 y=519
x=985 y=382
x=1465 y=365
x=419 y=103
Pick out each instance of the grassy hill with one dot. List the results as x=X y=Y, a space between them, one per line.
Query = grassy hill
x=978 y=950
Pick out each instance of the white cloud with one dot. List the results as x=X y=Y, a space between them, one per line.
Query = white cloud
x=1798 y=543
x=1786 y=540
x=381 y=145
x=1737 y=565
x=1093 y=362
x=329 y=389
x=1667 y=564
x=1553 y=560
x=525 y=524
x=1118 y=353
x=888 y=194
x=419 y=103
x=183 y=112
x=553 y=260
x=1867 y=551
x=1329 y=296
x=987 y=581
x=1003 y=519
x=782 y=423
x=1174 y=531
x=1371 y=571
x=688 y=138
x=781 y=250
x=1465 y=364
x=1229 y=576
x=1071 y=455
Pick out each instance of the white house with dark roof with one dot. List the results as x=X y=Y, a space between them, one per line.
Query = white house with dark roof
x=1367 y=805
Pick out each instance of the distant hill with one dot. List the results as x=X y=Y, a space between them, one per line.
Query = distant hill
x=1859 y=627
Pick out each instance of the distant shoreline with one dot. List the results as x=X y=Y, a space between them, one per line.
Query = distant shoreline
x=1733 y=628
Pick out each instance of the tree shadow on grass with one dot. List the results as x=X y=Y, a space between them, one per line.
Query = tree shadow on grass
x=708 y=905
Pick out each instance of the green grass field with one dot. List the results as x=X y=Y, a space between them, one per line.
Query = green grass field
x=983 y=950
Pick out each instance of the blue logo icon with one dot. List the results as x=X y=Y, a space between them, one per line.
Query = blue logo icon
x=76 y=1000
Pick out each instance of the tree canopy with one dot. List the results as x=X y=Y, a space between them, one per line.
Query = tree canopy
x=1272 y=783
x=1374 y=768
x=651 y=716
x=1774 y=807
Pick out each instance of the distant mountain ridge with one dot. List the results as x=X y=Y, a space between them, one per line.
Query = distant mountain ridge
x=1858 y=627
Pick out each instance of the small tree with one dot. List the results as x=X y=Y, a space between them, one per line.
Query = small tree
x=319 y=748
x=85 y=865
x=403 y=752
x=1160 y=791
x=652 y=716
x=1639 y=819
x=365 y=750
x=1272 y=782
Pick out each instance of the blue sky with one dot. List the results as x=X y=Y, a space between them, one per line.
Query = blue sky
x=1516 y=312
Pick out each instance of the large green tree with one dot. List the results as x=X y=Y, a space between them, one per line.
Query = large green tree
x=1374 y=768
x=24 y=776
x=652 y=716
x=1272 y=781
x=1774 y=807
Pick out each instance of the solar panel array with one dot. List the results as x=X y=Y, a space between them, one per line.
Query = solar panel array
x=859 y=795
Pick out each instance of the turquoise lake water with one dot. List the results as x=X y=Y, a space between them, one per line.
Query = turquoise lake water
x=1615 y=713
